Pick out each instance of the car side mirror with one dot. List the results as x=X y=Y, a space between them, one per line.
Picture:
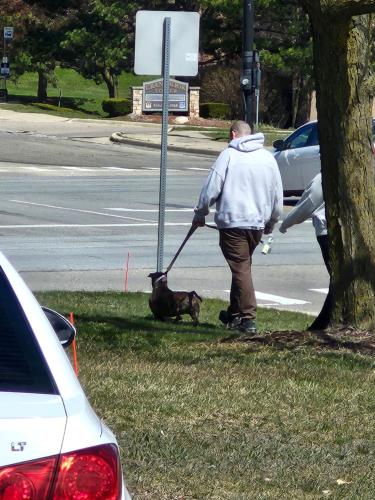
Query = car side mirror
x=64 y=330
x=279 y=145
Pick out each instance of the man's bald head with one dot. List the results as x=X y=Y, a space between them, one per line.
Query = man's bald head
x=239 y=128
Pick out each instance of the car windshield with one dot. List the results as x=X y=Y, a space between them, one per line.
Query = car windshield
x=22 y=365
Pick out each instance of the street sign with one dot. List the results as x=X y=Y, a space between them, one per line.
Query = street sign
x=8 y=32
x=184 y=42
x=153 y=96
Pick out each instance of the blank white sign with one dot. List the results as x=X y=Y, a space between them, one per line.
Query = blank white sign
x=184 y=42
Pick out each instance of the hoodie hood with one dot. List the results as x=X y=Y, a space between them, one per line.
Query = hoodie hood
x=248 y=143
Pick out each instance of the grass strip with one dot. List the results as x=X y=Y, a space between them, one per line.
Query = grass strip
x=199 y=418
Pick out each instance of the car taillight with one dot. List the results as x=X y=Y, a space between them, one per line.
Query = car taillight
x=28 y=480
x=89 y=474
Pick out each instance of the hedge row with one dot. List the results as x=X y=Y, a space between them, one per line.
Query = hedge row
x=219 y=110
x=117 y=106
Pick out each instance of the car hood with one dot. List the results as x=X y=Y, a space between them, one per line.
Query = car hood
x=31 y=426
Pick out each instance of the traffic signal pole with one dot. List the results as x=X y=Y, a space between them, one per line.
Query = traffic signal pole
x=250 y=77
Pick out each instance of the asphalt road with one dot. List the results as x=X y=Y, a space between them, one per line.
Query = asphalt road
x=79 y=212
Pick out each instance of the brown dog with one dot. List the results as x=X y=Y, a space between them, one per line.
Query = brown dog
x=164 y=303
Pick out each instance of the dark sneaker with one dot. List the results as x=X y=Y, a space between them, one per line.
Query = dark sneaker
x=235 y=321
x=247 y=326
x=229 y=320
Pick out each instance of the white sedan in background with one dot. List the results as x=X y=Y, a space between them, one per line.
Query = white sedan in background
x=52 y=444
x=298 y=157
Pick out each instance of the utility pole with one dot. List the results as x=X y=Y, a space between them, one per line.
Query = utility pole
x=4 y=65
x=250 y=77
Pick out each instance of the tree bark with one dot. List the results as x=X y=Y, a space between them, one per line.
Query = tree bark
x=341 y=59
x=304 y=102
x=110 y=82
x=42 y=85
x=296 y=79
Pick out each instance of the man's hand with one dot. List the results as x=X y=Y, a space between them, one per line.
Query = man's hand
x=198 y=220
x=268 y=228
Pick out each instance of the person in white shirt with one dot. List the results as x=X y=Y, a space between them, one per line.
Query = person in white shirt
x=245 y=185
x=312 y=205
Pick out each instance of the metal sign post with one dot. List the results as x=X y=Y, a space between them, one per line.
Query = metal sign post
x=250 y=77
x=164 y=142
x=4 y=65
x=167 y=41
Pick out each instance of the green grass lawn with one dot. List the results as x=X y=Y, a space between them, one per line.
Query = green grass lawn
x=83 y=98
x=270 y=134
x=286 y=416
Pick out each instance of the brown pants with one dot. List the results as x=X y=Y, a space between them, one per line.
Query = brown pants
x=238 y=246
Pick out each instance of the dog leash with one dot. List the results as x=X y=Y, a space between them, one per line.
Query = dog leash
x=211 y=226
x=190 y=232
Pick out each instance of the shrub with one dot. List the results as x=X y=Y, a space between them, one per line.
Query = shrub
x=219 y=110
x=117 y=107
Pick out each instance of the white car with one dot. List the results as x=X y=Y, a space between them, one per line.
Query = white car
x=52 y=444
x=298 y=157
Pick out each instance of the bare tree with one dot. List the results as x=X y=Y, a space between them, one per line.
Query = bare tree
x=342 y=38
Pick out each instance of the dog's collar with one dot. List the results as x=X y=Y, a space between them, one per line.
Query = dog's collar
x=162 y=277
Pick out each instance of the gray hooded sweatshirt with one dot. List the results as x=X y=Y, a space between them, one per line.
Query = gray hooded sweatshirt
x=311 y=205
x=245 y=184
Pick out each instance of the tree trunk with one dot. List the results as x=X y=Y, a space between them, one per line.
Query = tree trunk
x=304 y=102
x=42 y=85
x=341 y=59
x=295 y=96
x=110 y=82
x=301 y=99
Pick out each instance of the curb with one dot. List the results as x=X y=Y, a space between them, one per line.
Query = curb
x=117 y=137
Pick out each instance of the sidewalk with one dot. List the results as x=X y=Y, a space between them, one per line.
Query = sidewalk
x=191 y=141
x=134 y=133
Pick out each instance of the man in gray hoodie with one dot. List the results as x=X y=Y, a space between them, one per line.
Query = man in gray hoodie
x=245 y=184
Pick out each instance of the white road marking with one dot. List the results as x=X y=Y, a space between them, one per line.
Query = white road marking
x=284 y=301
x=275 y=299
x=121 y=169
x=80 y=169
x=38 y=169
x=153 y=210
x=61 y=168
x=319 y=290
x=59 y=226
x=80 y=210
x=279 y=300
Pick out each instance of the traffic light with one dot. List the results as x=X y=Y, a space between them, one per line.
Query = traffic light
x=4 y=68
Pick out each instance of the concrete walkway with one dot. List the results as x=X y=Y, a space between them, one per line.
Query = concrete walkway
x=127 y=132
